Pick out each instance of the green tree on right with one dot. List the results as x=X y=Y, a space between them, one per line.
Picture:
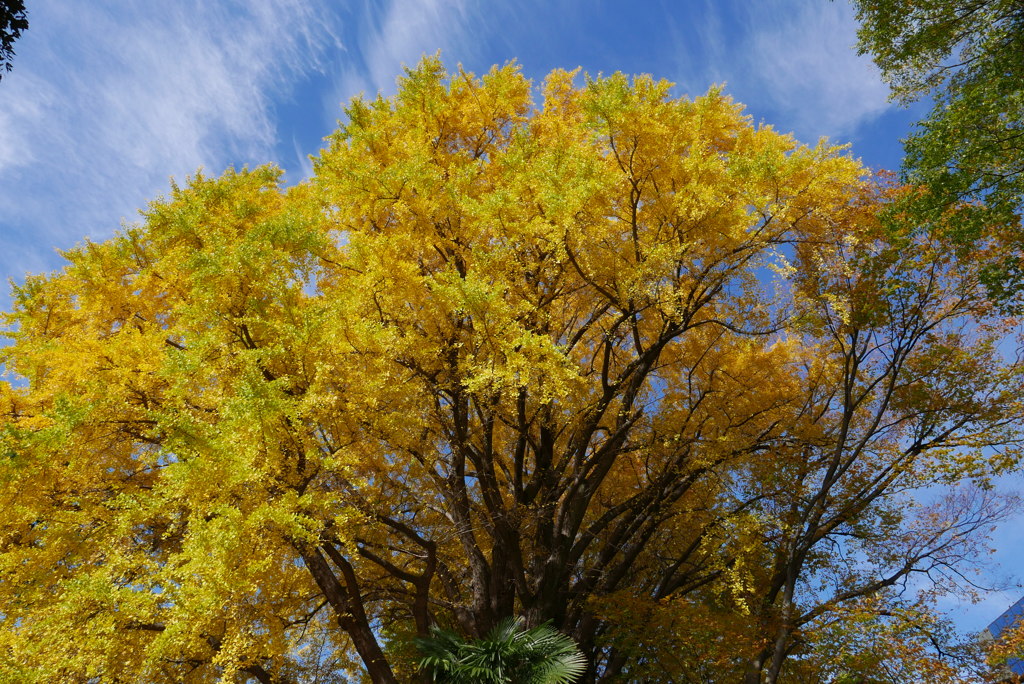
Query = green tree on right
x=967 y=155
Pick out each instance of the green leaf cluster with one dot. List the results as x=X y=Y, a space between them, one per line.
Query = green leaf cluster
x=968 y=152
x=509 y=654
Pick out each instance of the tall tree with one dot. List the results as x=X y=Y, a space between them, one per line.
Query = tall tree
x=969 y=151
x=618 y=361
x=13 y=20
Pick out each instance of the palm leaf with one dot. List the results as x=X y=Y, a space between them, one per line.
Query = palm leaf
x=508 y=654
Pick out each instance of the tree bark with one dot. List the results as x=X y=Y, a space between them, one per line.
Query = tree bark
x=348 y=608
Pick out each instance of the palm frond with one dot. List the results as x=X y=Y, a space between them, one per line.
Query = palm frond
x=508 y=654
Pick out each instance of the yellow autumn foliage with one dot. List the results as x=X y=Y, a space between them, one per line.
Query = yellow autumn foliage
x=610 y=358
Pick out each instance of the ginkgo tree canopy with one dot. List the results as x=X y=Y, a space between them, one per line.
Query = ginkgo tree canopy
x=586 y=354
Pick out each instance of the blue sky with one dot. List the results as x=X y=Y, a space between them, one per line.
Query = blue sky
x=109 y=100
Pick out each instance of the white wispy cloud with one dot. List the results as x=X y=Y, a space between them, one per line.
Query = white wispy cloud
x=399 y=33
x=793 y=62
x=110 y=99
x=804 y=60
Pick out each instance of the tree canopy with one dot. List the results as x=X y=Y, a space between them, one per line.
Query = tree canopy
x=969 y=151
x=613 y=360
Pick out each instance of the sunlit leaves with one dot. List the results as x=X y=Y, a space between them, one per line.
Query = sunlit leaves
x=606 y=358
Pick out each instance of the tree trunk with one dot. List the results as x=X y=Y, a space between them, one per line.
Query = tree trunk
x=754 y=669
x=348 y=609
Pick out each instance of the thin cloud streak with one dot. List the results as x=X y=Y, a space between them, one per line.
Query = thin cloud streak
x=794 y=60
x=109 y=102
x=806 y=64
x=400 y=34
